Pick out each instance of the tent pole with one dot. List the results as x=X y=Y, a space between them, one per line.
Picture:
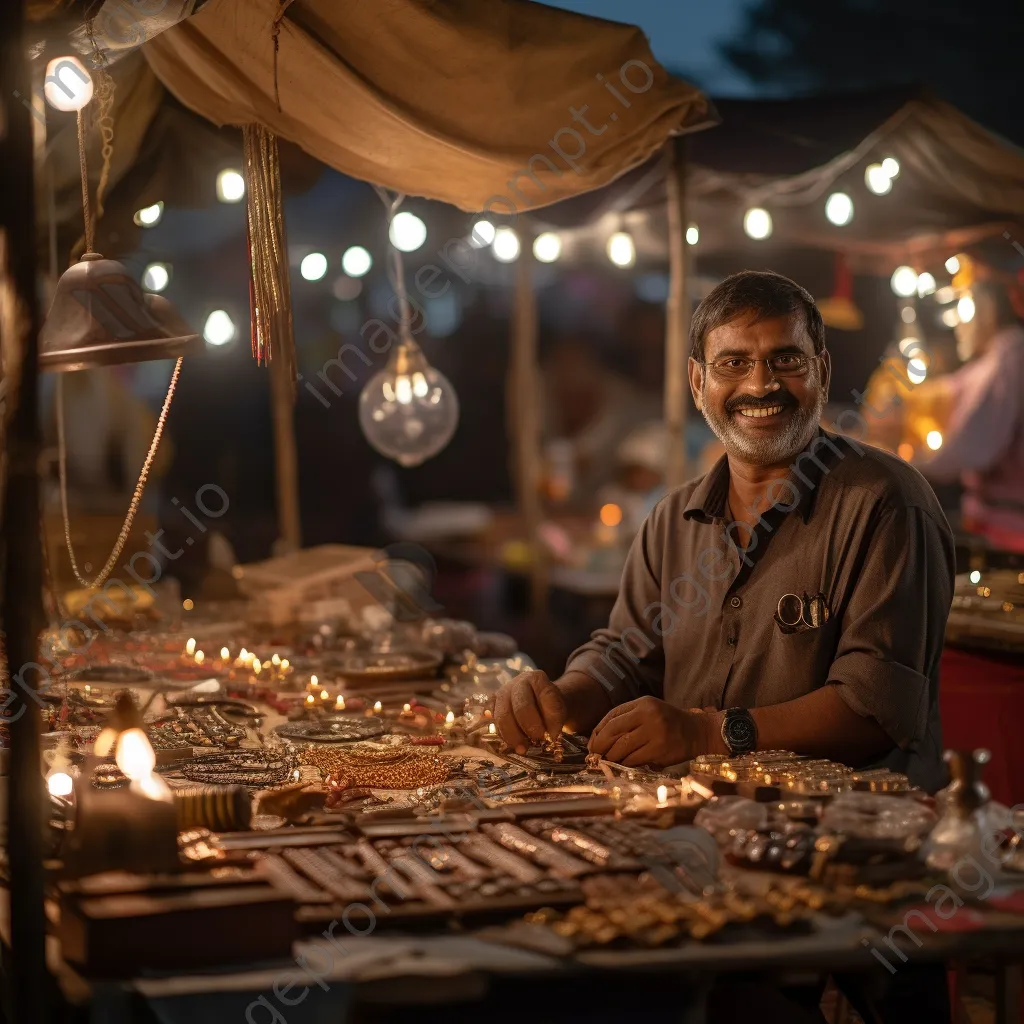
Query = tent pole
x=677 y=320
x=22 y=615
x=286 y=463
x=524 y=421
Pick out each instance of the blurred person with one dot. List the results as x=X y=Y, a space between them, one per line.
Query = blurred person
x=590 y=408
x=980 y=408
x=794 y=597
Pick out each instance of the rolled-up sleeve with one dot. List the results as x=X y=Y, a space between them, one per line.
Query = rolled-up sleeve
x=627 y=657
x=893 y=627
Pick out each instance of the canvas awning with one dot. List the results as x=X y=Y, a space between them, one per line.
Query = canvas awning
x=481 y=105
x=957 y=183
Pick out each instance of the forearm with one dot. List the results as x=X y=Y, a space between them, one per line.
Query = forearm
x=586 y=700
x=819 y=724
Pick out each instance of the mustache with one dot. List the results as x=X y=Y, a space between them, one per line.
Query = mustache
x=781 y=397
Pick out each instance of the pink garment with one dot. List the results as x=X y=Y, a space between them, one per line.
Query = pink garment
x=984 y=441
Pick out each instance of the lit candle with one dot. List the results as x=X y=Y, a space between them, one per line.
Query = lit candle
x=324 y=695
x=492 y=730
x=88 y=689
x=662 y=796
x=243 y=655
x=275 y=659
x=285 y=664
x=309 y=698
x=256 y=666
x=377 y=707
x=190 y=646
x=449 y=719
x=224 y=654
x=339 y=704
x=313 y=683
x=406 y=709
x=200 y=657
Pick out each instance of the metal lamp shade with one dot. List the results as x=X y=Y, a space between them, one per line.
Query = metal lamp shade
x=101 y=317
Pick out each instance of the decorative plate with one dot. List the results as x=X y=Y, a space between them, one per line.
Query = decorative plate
x=385 y=666
x=339 y=729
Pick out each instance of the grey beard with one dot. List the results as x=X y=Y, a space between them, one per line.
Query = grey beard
x=771 y=450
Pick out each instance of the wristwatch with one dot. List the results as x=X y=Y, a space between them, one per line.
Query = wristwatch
x=739 y=731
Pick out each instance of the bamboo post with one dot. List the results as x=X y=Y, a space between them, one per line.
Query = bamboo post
x=22 y=615
x=524 y=421
x=286 y=463
x=677 y=321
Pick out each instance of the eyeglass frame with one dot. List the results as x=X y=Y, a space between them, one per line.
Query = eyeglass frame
x=774 y=374
x=814 y=612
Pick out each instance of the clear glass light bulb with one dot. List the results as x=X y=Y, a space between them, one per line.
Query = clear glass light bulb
x=408 y=411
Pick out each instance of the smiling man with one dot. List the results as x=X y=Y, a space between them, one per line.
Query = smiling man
x=795 y=597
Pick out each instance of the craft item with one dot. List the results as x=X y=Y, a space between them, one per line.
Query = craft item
x=257 y=769
x=397 y=768
x=480 y=848
x=559 y=863
x=321 y=869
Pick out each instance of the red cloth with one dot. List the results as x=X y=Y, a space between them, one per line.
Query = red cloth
x=982 y=701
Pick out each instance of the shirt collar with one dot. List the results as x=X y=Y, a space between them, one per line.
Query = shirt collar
x=710 y=497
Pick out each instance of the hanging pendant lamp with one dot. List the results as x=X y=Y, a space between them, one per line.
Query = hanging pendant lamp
x=101 y=317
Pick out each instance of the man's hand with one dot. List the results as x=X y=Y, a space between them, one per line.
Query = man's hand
x=651 y=731
x=527 y=708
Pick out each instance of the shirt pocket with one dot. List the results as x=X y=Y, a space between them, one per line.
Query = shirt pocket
x=798 y=663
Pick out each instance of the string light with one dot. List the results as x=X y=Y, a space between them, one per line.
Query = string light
x=482 y=234
x=149 y=216
x=952 y=265
x=356 y=261
x=757 y=223
x=891 y=166
x=692 y=235
x=219 y=328
x=230 y=186
x=934 y=440
x=547 y=247
x=904 y=281
x=965 y=309
x=839 y=209
x=313 y=266
x=156 y=277
x=877 y=180
x=506 y=247
x=68 y=86
x=407 y=232
x=621 y=250
x=925 y=284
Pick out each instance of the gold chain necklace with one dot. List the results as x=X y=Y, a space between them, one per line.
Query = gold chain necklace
x=385 y=769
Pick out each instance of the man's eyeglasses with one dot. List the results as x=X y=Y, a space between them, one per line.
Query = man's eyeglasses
x=785 y=364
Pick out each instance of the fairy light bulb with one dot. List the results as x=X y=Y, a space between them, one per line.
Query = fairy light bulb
x=409 y=411
x=68 y=86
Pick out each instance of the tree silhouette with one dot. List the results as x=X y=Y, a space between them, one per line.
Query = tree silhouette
x=968 y=53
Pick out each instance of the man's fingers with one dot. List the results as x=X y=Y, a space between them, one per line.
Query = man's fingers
x=647 y=754
x=624 y=746
x=524 y=707
x=508 y=727
x=609 y=729
x=552 y=705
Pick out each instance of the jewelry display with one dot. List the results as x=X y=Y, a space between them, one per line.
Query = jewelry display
x=220 y=808
x=397 y=768
x=559 y=863
x=255 y=769
x=336 y=729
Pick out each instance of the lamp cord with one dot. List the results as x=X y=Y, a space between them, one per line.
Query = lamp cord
x=140 y=487
x=85 y=183
x=396 y=267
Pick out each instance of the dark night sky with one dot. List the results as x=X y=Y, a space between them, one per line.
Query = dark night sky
x=683 y=34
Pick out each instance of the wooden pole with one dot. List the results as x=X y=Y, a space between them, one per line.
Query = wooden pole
x=524 y=421
x=22 y=615
x=677 y=321
x=286 y=462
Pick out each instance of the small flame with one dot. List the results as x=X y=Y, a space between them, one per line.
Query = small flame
x=309 y=698
x=406 y=708
x=662 y=794
x=190 y=646
x=491 y=729
x=324 y=695
x=377 y=706
x=200 y=657
x=224 y=654
x=340 y=703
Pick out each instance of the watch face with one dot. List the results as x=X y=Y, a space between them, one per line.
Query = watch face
x=739 y=732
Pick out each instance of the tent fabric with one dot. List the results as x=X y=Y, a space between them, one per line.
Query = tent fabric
x=958 y=182
x=475 y=104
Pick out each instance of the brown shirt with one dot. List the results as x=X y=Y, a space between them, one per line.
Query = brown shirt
x=695 y=620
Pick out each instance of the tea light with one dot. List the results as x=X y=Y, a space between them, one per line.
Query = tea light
x=190 y=646
x=377 y=707
x=224 y=654
x=339 y=704
x=324 y=695
x=309 y=698
x=200 y=657
x=662 y=796
x=406 y=709
x=313 y=683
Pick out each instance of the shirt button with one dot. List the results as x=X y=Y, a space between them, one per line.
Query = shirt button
x=736 y=602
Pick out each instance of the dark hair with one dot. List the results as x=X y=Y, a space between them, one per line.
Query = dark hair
x=761 y=293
